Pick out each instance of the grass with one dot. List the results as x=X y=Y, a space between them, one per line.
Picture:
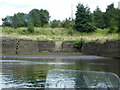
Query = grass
x=57 y=34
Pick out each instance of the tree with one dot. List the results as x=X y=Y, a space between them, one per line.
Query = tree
x=112 y=18
x=7 y=21
x=83 y=20
x=18 y=20
x=44 y=14
x=40 y=17
x=112 y=26
x=31 y=26
x=15 y=21
x=35 y=16
x=68 y=23
x=118 y=31
x=98 y=17
x=109 y=14
x=55 y=23
x=26 y=19
x=118 y=24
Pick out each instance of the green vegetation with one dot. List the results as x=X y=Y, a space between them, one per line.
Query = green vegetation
x=56 y=34
x=79 y=44
x=98 y=18
x=118 y=22
x=55 y=24
x=31 y=27
x=39 y=18
x=83 y=21
x=45 y=52
x=97 y=26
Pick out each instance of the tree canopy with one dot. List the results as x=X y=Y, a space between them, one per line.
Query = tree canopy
x=39 y=17
x=83 y=20
x=98 y=17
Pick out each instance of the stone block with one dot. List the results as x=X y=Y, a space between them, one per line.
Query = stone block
x=46 y=46
x=9 y=46
x=27 y=47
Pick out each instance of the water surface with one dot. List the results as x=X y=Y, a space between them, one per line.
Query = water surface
x=32 y=73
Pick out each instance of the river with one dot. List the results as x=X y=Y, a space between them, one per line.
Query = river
x=32 y=72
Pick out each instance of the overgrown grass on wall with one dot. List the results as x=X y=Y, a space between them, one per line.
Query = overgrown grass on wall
x=56 y=34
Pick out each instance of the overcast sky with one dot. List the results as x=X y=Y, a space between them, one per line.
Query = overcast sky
x=58 y=9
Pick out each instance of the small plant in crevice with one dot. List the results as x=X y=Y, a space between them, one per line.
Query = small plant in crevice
x=78 y=44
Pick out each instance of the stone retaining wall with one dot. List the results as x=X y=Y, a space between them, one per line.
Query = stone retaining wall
x=107 y=49
x=46 y=46
x=19 y=46
x=9 y=46
x=68 y=46
x=26 y=47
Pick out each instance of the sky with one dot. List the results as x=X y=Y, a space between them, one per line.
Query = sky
x=58 y=9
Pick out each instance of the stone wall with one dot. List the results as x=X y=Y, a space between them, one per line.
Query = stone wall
x=68 y=46
x=107 y=49
x=26 y=47
x=46 y=46
x=9 y=46
x=20 y=46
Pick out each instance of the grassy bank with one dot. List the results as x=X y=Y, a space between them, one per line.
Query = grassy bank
x=56 y=34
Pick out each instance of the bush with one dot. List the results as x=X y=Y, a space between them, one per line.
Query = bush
x=55 y=23
x=112 y=29
x=118 y=30
x=31 y=27
x=23 y=32
x=112 y=26
x=68 y=23
x=79 y=44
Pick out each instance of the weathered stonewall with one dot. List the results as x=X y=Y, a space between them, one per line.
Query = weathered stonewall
x=107 y=49
x=26 y=47
x=68 y=46
x=19 y=46
x=9 y=46
x=46 y=46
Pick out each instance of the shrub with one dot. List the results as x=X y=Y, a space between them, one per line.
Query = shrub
x=68 y=23
x=71 y=31
x=79 y=44
x=31 y=27
x=55 y=23
x=23 y=32
x=112 y=26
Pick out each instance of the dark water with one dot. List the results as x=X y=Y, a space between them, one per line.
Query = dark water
x=32 y=73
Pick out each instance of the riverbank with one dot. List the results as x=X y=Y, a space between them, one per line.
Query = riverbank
x=106 y=49
x=30 y=47
x=57 y=34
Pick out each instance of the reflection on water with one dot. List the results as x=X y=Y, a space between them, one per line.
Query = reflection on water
x=33 y=73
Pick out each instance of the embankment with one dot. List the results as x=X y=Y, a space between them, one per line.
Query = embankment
x=20 y=46
x=106 y=49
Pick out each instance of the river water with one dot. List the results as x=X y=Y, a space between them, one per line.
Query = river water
x=33 y=72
